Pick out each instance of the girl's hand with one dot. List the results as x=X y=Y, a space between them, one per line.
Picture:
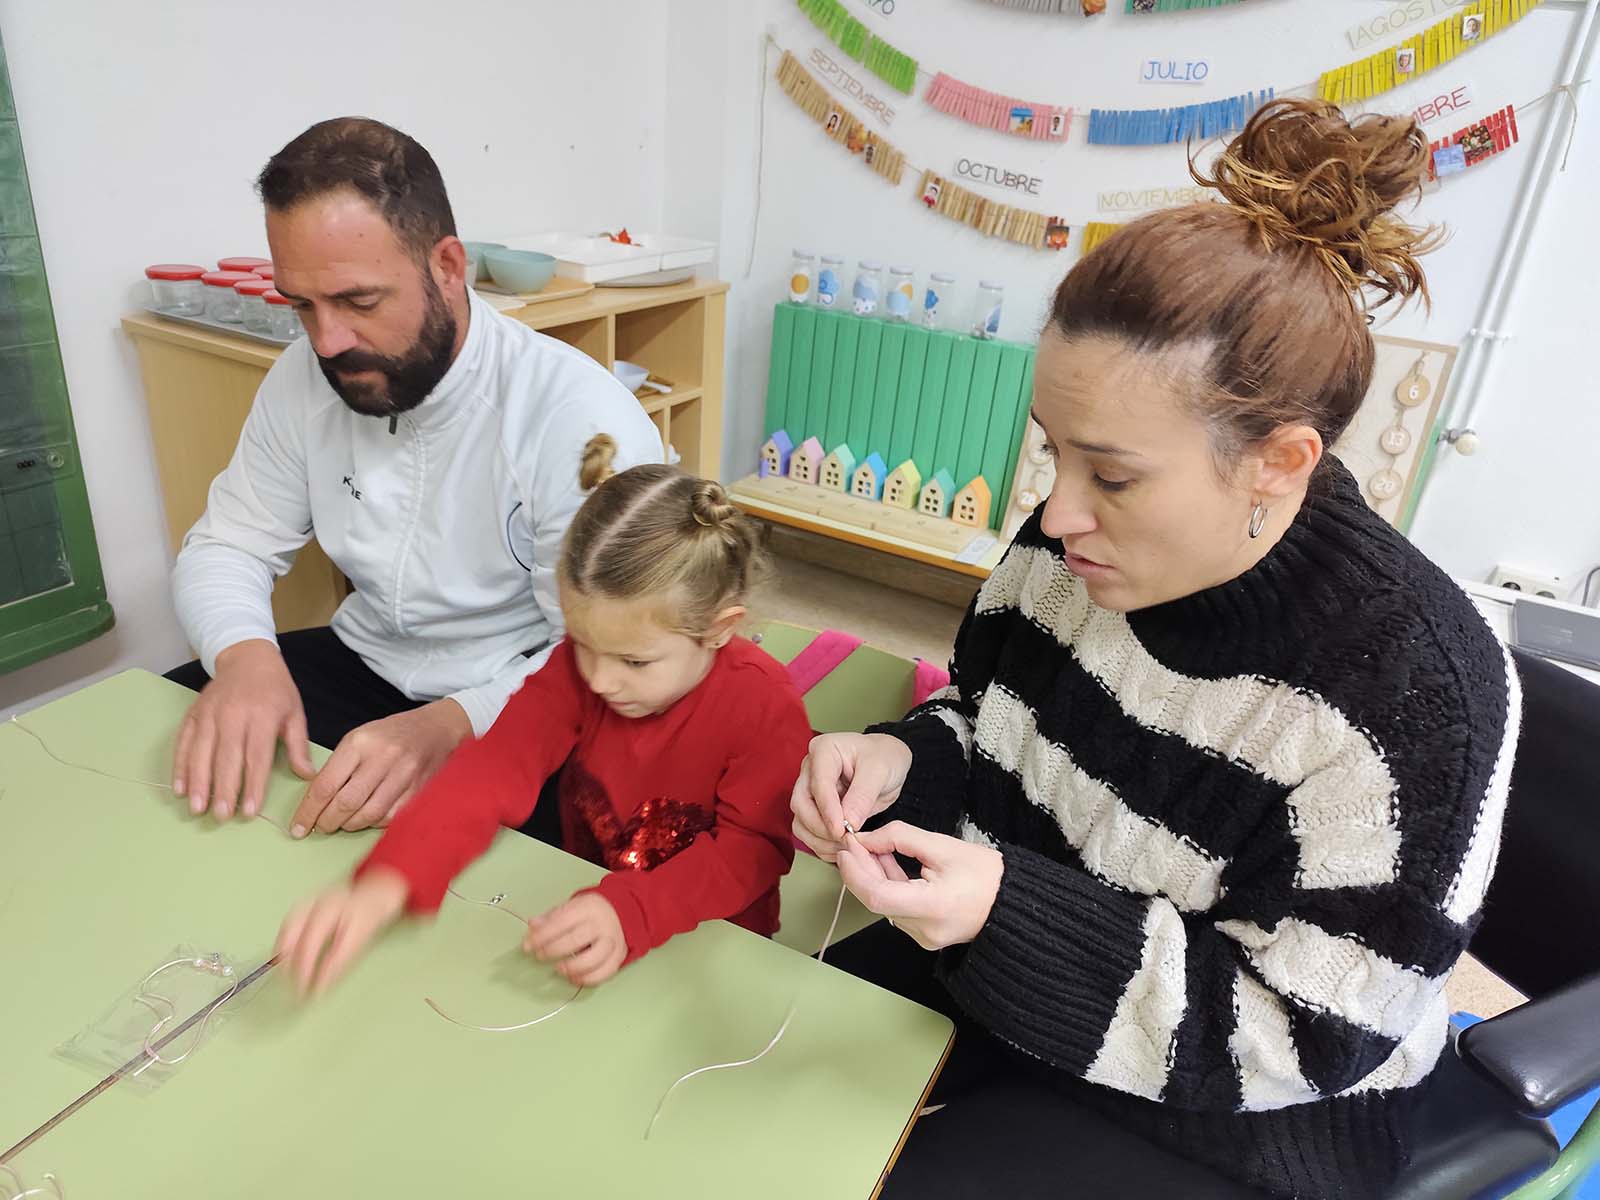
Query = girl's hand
x=947 y=906
x=584 y=934
x=342 y=920
x=846 y=777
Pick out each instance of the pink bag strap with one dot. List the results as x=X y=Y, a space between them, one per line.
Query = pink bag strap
x=826 y=651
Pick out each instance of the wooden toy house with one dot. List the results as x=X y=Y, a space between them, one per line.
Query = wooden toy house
x=775 y=454
x=937 y=495
x=838 y=469
x=805 y=465
x=971 y=506
x=867 y=480
x=902 y=486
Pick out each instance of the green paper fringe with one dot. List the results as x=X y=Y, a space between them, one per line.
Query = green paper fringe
x=896 y=69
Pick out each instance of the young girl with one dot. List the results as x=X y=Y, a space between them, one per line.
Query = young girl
x=680 y=743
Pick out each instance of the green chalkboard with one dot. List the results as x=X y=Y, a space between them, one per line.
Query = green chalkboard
x=52 y=594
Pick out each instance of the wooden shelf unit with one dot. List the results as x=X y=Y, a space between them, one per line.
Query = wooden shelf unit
x=200 y=385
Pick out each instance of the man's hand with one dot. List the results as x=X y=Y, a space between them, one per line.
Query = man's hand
x=379 y=766
x=230 y=735
x=584 y=935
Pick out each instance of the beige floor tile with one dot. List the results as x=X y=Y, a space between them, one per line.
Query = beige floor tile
x=804 y=593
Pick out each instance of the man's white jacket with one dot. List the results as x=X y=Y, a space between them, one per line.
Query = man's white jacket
x=449 y=527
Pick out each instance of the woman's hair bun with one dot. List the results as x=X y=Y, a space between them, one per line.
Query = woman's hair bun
x=1302 y=171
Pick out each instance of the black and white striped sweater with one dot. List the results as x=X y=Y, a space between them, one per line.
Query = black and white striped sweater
x=1246 y=836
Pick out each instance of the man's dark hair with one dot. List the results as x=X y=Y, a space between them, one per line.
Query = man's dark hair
x=377 y=161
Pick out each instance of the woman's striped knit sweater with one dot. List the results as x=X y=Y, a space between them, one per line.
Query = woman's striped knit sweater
x=1246 y=836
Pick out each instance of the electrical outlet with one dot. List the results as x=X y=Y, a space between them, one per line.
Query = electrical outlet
x=1529 y=583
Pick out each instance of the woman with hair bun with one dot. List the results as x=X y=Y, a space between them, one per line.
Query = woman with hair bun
x=1208 y=813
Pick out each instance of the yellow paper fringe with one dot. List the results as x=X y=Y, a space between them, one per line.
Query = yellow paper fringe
x=1096 y=232
x=1431 y=48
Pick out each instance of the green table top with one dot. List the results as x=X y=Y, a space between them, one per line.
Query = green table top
x=368 y=1092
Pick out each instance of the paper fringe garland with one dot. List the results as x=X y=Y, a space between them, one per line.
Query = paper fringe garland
x=838 y=122
x=1044 y=122
x=1433 y=47
x=1146 y=6
x=1089 y=8
x=1096 y=232
x=991 y=218
x=1158 y=126
x=1470 y=146
x=898 y=70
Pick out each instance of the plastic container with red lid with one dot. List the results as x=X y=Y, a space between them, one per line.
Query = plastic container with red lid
x=285 y=321
x=222 y=302
x=176 y=288
x=242 y=264
x=252 y=308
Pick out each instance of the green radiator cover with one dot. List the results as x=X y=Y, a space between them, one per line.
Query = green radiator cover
x=947 y=401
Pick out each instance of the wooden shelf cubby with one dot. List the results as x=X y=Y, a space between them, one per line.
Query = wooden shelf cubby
x=200 y=385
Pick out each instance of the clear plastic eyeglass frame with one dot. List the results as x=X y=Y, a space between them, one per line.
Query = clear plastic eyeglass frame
x=166 y=1012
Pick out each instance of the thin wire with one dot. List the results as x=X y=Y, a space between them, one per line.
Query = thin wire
x=150 y=783
x=497 y=902
x=493 y=903
x=19 y=1192
x=761 y=154
x=827 y=940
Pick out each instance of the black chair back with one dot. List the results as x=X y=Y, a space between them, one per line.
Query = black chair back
x=1541 y=921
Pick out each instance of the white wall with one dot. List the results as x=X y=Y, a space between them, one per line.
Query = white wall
x=144 y=126
x=1526 y=498
x=645 y=112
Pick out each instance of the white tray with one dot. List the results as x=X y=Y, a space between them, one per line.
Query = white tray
x=235 y=329
x=597 y=259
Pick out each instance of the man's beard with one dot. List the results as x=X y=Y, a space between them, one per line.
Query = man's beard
x=408 y=378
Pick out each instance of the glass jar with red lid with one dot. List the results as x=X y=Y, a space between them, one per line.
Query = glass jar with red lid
x=222 y=302
x=176 y=288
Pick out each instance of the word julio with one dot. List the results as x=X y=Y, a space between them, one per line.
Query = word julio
x=984 y=173
x=1172 y=71
x=851 y=86
x=1401 y=16
x=1151 y=198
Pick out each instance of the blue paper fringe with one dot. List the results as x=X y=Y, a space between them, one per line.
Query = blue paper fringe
x=1159 y=126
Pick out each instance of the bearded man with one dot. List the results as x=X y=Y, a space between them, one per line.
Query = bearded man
x=431 y=445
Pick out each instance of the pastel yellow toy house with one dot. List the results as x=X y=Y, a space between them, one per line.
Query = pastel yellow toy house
x=902 y=486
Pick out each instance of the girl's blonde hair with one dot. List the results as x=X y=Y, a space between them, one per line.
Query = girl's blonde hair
x=653 y=530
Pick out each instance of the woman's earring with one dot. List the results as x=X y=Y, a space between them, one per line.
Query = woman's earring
x=1258 y=519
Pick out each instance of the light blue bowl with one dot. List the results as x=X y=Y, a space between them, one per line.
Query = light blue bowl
x=520 y=270
x=475 y=252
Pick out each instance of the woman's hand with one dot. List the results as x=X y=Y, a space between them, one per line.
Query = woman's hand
x=949 y=905
x=342 y=920
x=584 y=934
x=847 y=777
